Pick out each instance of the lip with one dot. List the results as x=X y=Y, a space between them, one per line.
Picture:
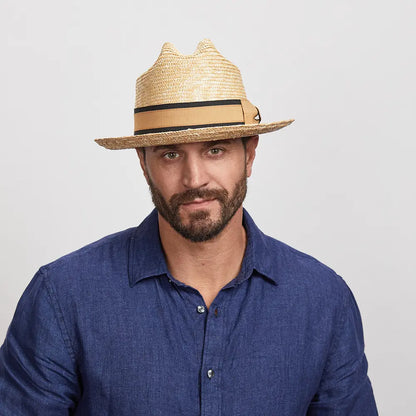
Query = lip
x=198 y=202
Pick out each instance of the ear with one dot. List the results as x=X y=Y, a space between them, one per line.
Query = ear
x=142 y=158
x=251 y=145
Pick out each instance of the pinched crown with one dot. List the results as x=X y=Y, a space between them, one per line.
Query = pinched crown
x=175 y=78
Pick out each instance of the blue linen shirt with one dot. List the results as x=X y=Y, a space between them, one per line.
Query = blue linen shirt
x=107 y=330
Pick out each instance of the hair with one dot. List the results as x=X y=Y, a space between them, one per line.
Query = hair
x=245 y=140
x=142 y=149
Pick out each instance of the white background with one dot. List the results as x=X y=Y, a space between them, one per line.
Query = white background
x=339 y=183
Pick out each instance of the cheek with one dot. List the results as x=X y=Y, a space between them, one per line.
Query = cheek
x=237 y=168
x=228 y=176
x=165 y=181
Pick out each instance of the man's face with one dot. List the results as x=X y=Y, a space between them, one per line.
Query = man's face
x=198 y=187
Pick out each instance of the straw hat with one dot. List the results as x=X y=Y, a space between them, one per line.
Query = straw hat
x=191 y=98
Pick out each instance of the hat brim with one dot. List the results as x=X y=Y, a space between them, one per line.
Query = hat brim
x=190 y=135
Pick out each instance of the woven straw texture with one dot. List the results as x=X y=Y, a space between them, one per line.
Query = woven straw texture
x=205 y=75
x=190 y=135
x=175 y=78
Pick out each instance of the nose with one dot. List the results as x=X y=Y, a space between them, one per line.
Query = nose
x=194 y=174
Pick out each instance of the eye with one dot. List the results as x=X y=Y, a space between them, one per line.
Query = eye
x=215 y=151
x=171 y=155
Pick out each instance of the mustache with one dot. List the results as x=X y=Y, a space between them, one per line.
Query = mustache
x=191 y=194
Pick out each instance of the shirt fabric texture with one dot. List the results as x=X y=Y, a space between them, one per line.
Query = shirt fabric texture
x=106 y=330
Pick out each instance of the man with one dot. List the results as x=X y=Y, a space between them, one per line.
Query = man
x=195 y=311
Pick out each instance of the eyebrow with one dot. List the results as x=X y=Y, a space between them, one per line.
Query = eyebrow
x=224 y=142
x=164 y=147
x=171 y=147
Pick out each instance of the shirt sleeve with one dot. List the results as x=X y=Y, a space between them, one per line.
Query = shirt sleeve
x=345 y=389
x=38 y=374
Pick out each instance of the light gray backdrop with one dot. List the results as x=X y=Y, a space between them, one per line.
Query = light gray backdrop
x=337 y=184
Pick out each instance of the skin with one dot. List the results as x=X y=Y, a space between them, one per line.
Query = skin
x=219 y=165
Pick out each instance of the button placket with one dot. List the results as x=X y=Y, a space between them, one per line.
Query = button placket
x=211 y=392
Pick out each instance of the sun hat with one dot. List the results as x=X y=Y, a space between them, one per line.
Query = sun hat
x=191 y=98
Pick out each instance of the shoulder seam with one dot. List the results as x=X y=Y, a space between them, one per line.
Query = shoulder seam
x=58 y=313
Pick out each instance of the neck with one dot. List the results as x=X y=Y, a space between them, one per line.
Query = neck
x=206 y=266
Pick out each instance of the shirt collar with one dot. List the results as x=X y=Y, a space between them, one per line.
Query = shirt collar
x=146 y=257
x=257 y=256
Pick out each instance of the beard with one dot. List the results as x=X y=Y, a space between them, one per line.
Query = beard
x=200 y=226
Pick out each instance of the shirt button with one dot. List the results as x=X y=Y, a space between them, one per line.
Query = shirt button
x=200 y=309
x=210 y=373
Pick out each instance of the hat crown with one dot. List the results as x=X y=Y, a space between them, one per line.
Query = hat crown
x=176 y=78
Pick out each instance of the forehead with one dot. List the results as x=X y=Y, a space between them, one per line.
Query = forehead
x=196 y=145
